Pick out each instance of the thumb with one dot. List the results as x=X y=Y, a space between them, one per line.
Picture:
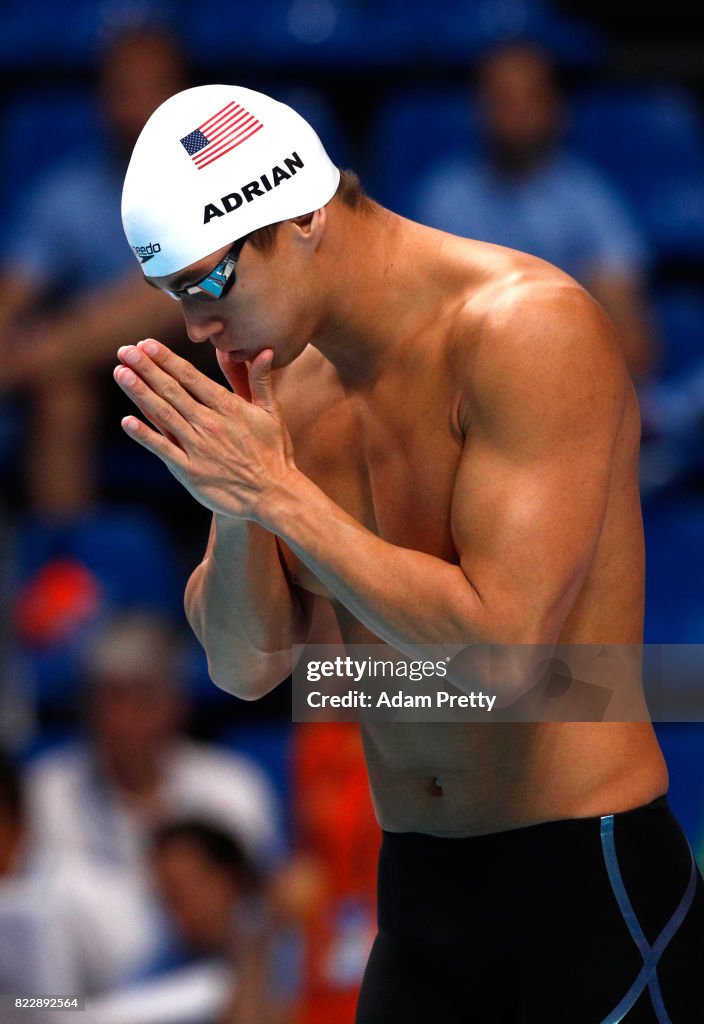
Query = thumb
x=261 y=381
x=235 y=374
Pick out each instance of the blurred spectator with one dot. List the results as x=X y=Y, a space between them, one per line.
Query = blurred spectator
x=528 y=193
x=327 y=890
x=65 y=927
x=221 y=911
x=202 y=877
x=71 y=291
x=219 y=954
x=102 y=796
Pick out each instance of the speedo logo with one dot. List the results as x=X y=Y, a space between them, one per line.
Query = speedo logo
x=249 y=192
x=145 y=252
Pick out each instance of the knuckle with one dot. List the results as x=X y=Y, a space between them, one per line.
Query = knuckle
x=210 y=425
x=167 y=413
x=170 y=391
x=199 y=444
x=189 y=376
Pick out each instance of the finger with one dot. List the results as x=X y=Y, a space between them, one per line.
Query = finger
x=158 y=380
x=164 y=416
x=154 y=442
x=236 y=374
x=261 y=381
x=197 y=384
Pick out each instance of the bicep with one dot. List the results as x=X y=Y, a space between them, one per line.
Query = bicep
x=526 y=533
x=532 y=489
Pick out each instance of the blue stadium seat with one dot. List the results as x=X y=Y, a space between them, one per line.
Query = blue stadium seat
x=679 y=312
x=304 y=33
x=682 y=744
x=456 y=31
x=72 y=35
x=47 y=31
x=315 y=108
x=651 y=141
x=29 y=33
x=46 y=126
x=413 y=131
x=125 y=554
x=674 y=534
x=285 y=33
x=673 y=404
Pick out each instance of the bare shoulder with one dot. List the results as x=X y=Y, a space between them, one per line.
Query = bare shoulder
x=538 y=343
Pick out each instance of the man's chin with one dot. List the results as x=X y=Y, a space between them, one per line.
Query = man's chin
x=248 y=355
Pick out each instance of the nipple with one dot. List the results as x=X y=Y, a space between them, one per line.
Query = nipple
x=435 y=786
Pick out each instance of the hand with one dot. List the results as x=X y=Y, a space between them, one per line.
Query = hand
x=228 y=451
x=236 y=374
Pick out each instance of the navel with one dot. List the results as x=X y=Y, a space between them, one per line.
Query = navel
x=436 y=786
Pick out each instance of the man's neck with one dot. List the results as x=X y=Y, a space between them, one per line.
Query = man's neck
x=381 y=292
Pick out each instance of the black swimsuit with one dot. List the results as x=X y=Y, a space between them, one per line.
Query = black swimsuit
x=582 y=921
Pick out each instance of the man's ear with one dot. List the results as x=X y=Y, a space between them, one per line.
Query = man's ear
x=312 y=225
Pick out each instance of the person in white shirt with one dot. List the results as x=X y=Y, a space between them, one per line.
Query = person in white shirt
x=102 y=796
x=66 y=927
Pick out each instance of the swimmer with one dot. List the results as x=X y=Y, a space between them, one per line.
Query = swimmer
x=436 y=439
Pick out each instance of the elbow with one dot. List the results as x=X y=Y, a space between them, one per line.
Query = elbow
x=504 y=671
x=509 y=661
x=249 y=682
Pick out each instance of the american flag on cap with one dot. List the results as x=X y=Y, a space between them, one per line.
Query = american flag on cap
x=220 y=134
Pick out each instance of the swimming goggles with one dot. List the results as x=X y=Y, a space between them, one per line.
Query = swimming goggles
x=218 y=282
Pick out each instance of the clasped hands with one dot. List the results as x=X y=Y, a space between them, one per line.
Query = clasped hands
x=230 y=450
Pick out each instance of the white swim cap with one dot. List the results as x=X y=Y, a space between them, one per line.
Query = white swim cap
x=214 y=163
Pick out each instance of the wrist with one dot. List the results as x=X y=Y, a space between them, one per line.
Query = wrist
x=228 y=524
x=280 y=501
x=229 y=539
x=232 y=533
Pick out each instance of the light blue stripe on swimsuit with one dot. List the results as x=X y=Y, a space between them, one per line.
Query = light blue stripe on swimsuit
x=651 y=954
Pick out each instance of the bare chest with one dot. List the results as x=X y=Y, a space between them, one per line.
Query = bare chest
x=391 y=465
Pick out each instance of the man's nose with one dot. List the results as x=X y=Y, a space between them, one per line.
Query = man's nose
x=201 y=325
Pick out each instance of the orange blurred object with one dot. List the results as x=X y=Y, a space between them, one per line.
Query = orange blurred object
x=55 y=603
x=339 y=834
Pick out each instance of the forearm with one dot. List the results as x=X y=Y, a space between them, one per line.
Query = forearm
x=405 y=597
x=410 y=599
x=243 y=610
